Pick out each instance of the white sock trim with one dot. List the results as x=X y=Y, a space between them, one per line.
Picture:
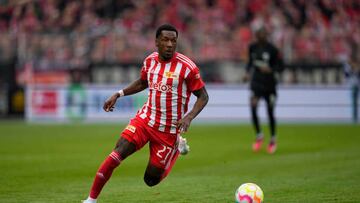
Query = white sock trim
x=91 y=200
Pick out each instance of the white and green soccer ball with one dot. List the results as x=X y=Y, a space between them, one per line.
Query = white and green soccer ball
x=249 y=193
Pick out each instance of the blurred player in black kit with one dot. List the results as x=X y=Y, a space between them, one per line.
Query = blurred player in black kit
x=263 y=64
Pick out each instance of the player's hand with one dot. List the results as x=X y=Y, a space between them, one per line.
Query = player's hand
x=265 y=69
x=110 y=102
x=184 y=124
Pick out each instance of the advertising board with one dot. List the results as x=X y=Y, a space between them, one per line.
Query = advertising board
x=226 y=104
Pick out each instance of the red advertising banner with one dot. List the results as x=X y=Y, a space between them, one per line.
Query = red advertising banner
x=44 y=101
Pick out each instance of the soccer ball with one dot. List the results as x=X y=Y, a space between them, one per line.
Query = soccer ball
x=249 y=193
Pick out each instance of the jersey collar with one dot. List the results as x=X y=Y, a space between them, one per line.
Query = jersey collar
x=167 y=61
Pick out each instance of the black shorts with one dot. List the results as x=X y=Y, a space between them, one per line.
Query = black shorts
x=262 y=93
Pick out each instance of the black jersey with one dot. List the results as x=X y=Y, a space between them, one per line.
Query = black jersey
x=260 y=55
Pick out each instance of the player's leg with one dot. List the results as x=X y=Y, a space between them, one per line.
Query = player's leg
x=123 y=149
x=163 y=155
x=270 y=105
x=254 y=100
x=155 y=173
x=132 y=139
x=355 y=95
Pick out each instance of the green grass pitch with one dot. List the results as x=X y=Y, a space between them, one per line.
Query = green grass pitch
x=57 y=163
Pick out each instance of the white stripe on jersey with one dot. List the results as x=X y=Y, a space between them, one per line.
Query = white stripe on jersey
x=187 y=73
x=173 y=152
x=174 y=105
x=145 y=108
x=154 y=54
x=183 y=98
x=153 y=104
x=163 y=100
x=184 y=62
x=190 y=63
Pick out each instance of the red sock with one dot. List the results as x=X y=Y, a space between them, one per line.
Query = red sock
x=104 y=173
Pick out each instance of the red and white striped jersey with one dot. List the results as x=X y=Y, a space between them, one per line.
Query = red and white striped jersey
x=170 y=86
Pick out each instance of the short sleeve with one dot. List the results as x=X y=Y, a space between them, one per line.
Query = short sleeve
x=194 y=81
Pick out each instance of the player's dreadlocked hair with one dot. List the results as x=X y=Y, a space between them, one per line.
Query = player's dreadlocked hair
x=167 y=27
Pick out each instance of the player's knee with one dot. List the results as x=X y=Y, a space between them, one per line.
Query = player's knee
x=151 y=180
x=124 y=148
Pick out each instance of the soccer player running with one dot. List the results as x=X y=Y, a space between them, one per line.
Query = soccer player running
x=264 y=61
x=171 y=77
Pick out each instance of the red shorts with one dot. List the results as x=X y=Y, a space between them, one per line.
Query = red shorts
x=163 y=146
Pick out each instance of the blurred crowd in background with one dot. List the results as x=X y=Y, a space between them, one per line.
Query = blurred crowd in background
x=63 y=34
x=71 y=42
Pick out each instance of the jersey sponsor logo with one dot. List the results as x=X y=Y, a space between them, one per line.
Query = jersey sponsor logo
x=160 y=87
x=197 y=76
x=261 y=63
x=171 y=75
x=266 y=56
x=131 y=128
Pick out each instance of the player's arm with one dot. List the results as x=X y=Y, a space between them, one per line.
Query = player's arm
x=278 y=61
x=135 y=87
x=201 y=101
x=249 y=65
